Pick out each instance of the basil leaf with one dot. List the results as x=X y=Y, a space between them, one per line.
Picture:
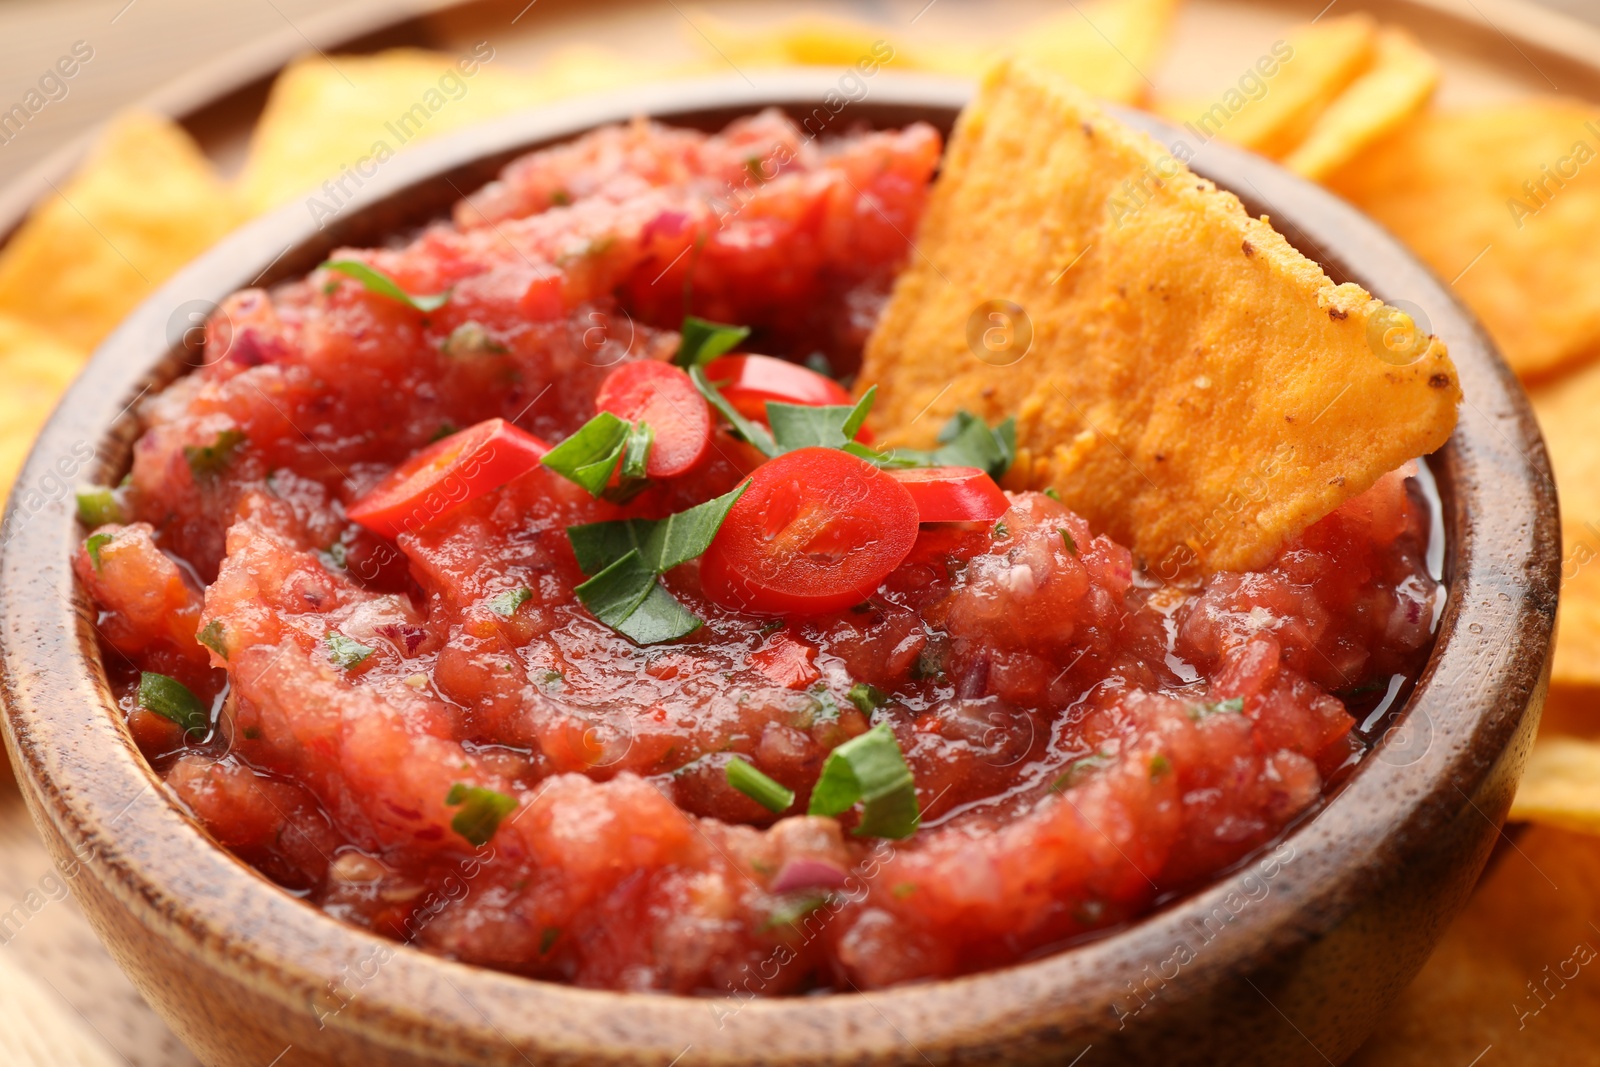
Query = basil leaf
x=171 y=699
x=374 y=280
x=750 y=431
x=704 y=341
x=590 y=455
x=480 y=814
x=627 y=597
x=211 y=637
x=812 y=426
x=94 y=544
x=206 y=462
x=661 y=543
x=506 y=604
x=758 y=787
x=345 y=652
x=99 y=505
x=636 y=453
x=869 y=770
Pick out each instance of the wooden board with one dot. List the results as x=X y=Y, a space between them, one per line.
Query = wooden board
x=62 y=1000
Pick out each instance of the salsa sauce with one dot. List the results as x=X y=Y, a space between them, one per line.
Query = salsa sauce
x=1085 y=739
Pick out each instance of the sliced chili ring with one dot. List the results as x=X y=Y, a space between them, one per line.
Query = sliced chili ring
x=953 y=494
x=663 y=397
x=447 y=474
x=818 y=530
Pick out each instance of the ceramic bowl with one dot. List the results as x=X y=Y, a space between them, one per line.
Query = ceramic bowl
x=1289 y=958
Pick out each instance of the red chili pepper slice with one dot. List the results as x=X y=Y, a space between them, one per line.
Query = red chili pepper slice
x=818 y=530
x=953 y=494
x=447 y=474
x=662 y=396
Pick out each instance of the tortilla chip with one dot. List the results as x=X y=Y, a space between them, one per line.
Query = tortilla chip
x=1561 y=786
x=1195 y=387
x=1400 y=83
x=1480 y=195
x=1272 y=114
x=36 y=367
x=1104 y=46
x=328 y=119
x=1516 y=971
x=1567 y=410
x=144 y=204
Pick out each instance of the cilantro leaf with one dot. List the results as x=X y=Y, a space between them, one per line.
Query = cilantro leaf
x=662 y=544
x=376 y=281
x=704 y=341
x=506 y=604
x=869 y=770
x=172 y=700
x=206 y=462
x=211 y=637
x=627 y=597
x=591 y=454
x=345 y=652
x=481 y=812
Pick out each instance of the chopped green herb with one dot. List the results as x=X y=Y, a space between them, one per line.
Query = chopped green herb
x=902 y=890
x=867 y=697
x=627 y=597
x=929 y=664
x=819 y=362
x=208 y=461
x=480 y=814
x=791 y=913
x=1079 y=770
x=506 y=604
x=704 y=341
x=98 y=506
x=758 y=787
x=661 y=543
x=376 y=281
x=252 y=733
x=1066 y=538
x=869 y=770
x=753 y=167
x=554 y=678
x=771 y=626
x=590 y=455
x=171 y=699
x=210 y=635
x=968 y=441
x=93 y=546
x=560 y=198
x=827 y=426
x=1001 y=531
x=547 y=939
x=1220 y=707
x=445 y=430
x=1159 y=766
x=750 y=431
x=637 y=451
x=1052 y=494
x=345 y=652
x=335 y=557
x=471 y=339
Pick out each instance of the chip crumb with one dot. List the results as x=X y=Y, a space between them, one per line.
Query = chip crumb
x=1249 y=249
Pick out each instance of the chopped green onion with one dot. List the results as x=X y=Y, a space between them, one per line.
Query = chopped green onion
x=869 y=770
x=376 y=281
x=758 y=787
x=1066 y=538
x=704 y=341
x=93 y=546
x=345 y=652
x=1220 y=707
x=636 y=454
x=211 y=636
x=471 y=339
x=171 y=699
x=627 y=597
x=662 y=543
x=867 y=697
x=98 y=506
x=480 y=814
x=206 y=462
x=506 y=604
x=590 y=455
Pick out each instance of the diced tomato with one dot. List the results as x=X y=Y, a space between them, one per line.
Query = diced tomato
x=953 y=494
x=786 y=661
x=663 y=397
x=749 y=381
x=447 y=474
x=817 y=530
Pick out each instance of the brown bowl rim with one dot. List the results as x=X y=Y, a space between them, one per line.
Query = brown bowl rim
x=1486 y=670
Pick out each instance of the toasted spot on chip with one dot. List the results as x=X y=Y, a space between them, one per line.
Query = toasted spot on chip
x=1298 y=393
x=143 y=204
x=1561 y=785
x=1297 y=81
x=1567 y=410
x=1505 y=202
x=36 y=367
x=1400 y=82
